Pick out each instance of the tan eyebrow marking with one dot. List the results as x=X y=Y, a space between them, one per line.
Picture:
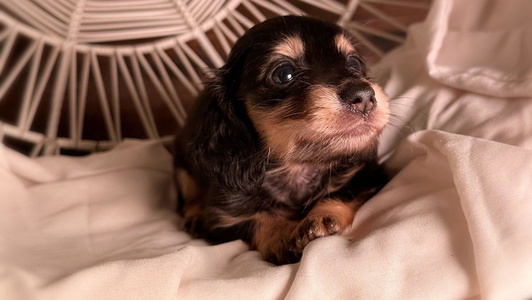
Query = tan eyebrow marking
x=343 y=44
x=291 y=47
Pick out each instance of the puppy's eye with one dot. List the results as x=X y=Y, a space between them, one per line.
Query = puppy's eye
x=354 y=64
x=283 y=74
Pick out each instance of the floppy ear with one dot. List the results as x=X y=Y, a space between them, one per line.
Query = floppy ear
x=219 y=141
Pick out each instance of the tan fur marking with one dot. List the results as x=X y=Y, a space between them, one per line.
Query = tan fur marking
x=271 y=230
x=344 y=45
x=193 y=210
x=186 y=184
x=326 y=106
x=272 y=237
x=291 y=47
x=226 y=220
x=279 y=137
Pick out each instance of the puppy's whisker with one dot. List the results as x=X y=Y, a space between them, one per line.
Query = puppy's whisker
x=266 y=102
x=285 y=117
x=395 y=103
x=330 y=177
x=305 y=82
x=401 y=98
x=400 y=128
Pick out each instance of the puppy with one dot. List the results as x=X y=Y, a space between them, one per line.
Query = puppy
x=280 y=149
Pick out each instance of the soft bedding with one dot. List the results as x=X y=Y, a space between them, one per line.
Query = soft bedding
x=453 y=223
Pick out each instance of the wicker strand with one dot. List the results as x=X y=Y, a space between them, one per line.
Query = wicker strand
x=30 y=85
x=57 y=99
x=377 y=12
x=82 y=98
x=102 y=96
x=327 y=5
x=417 y=5
x=8 y=47
x=199 y=34
x=189 y=85
x=130 y=53
x=37 y=96
x=376 y=32
x=72 y=97
x=22 y=61
x=180 y=113
x=134 y=95
x=350 y=10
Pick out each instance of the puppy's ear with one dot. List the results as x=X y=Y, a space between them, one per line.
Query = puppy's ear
x=219 y=139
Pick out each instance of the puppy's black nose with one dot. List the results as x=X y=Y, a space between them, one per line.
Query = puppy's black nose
x=362 y=100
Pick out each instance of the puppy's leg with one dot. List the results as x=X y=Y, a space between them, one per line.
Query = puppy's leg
x=189 y=204
x=327 y=217
x=282 y=241
x=272 y=238
x=266 y=232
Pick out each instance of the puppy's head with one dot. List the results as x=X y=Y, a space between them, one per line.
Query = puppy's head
x=305 y=90
x=295 y=90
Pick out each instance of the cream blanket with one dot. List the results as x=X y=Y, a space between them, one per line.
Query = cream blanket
x=455 y=222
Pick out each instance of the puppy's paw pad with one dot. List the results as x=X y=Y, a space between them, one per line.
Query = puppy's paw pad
x=313 y=227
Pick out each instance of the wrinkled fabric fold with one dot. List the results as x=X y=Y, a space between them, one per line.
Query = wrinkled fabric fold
x=453 y=222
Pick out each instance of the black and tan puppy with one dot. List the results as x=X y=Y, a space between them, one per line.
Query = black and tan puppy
x=281 y=147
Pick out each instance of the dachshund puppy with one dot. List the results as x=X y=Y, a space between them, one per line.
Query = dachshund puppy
x=280 y=149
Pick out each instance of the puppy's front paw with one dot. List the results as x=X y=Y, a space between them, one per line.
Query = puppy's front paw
x=313 y=227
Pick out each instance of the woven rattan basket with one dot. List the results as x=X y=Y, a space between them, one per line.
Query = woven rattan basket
x=85 y=74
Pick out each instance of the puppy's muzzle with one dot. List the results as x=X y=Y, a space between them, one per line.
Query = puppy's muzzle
x=360 y=97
